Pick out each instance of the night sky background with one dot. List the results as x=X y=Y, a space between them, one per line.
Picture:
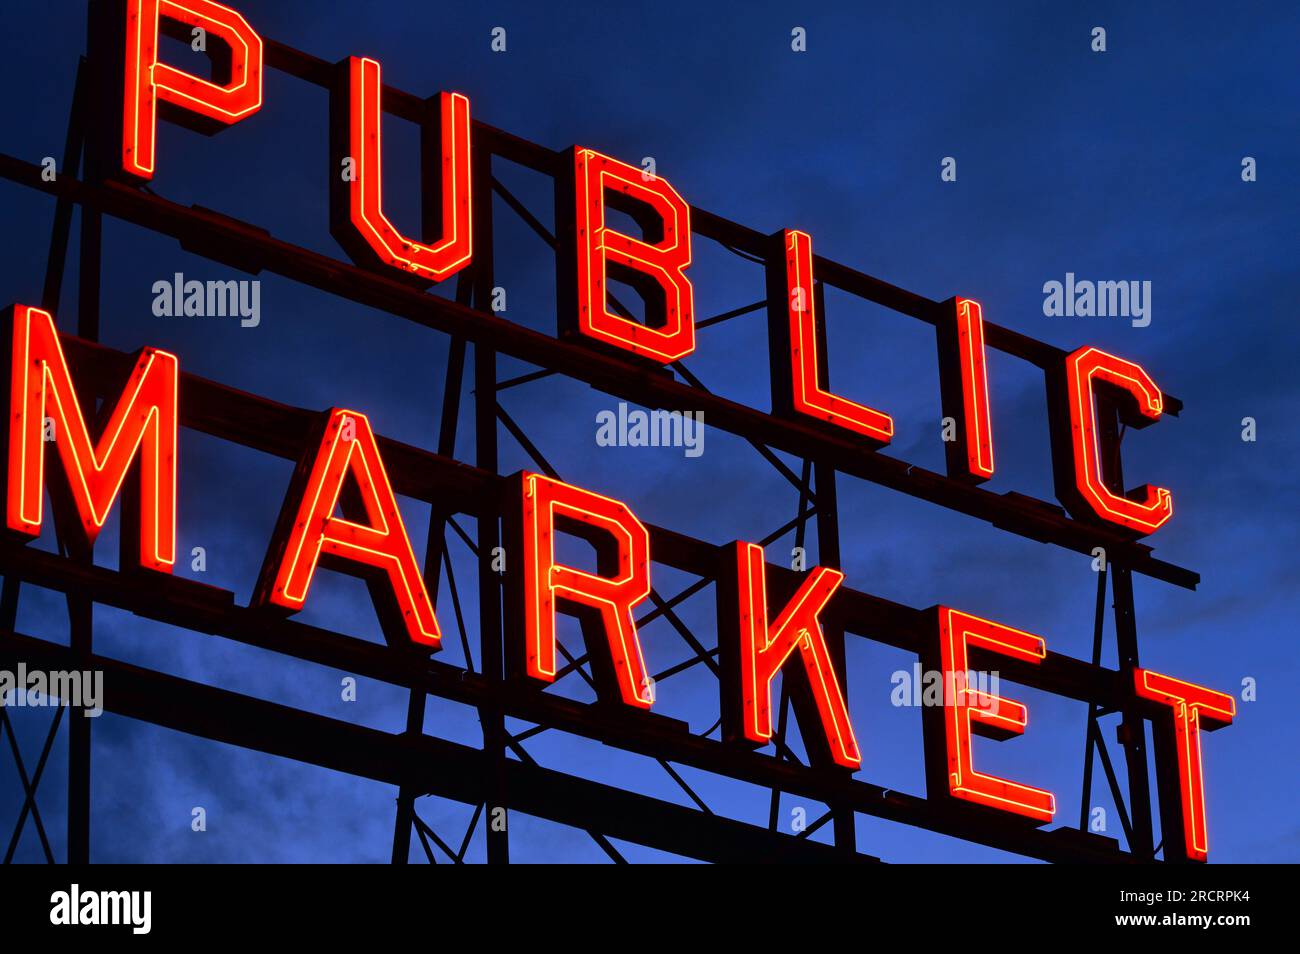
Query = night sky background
x=1123 y=165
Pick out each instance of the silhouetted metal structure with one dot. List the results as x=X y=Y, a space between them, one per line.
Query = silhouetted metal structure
x=489 y=777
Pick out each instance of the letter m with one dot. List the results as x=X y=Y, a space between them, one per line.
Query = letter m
x=88 y=477
x=1112 y=299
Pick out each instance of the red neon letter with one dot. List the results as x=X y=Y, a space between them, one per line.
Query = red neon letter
x=755 y=651
x=143 y=420
x=656 y=267
x=1194 y=708
x=799 y=365
x=234 y=94
x=357 y=217
x=964 y=387
x=967 y=710
x=376 y=549
x=541 y=584
x=1082 y=477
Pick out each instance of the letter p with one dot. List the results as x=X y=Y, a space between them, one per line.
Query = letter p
x=130 y=31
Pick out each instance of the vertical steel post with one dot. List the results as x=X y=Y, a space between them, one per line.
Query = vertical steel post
x=1091 y=729
x=1132 y=728
x=489 y=527
x=81 y=608
x=828 y=554
x=434 y=546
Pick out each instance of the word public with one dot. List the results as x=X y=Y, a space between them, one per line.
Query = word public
x=340 y=510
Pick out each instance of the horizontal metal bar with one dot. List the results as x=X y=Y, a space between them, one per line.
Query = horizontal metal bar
x=431 y=765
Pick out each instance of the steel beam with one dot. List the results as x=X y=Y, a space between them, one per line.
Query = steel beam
x=442 y=768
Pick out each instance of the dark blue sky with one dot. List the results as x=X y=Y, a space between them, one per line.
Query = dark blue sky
x=1116 y=166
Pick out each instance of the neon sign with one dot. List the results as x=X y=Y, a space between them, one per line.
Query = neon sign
x=798 y=344
x=369 y=539
x=964 y=384
x=971 y=711
x=1084 y=453
x=142 y=425
x=603 y=600
x=341 y=512
x=1178 y=738
x=592 y=253
x=357 y=218
x=756 y=648
x=152 y=88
